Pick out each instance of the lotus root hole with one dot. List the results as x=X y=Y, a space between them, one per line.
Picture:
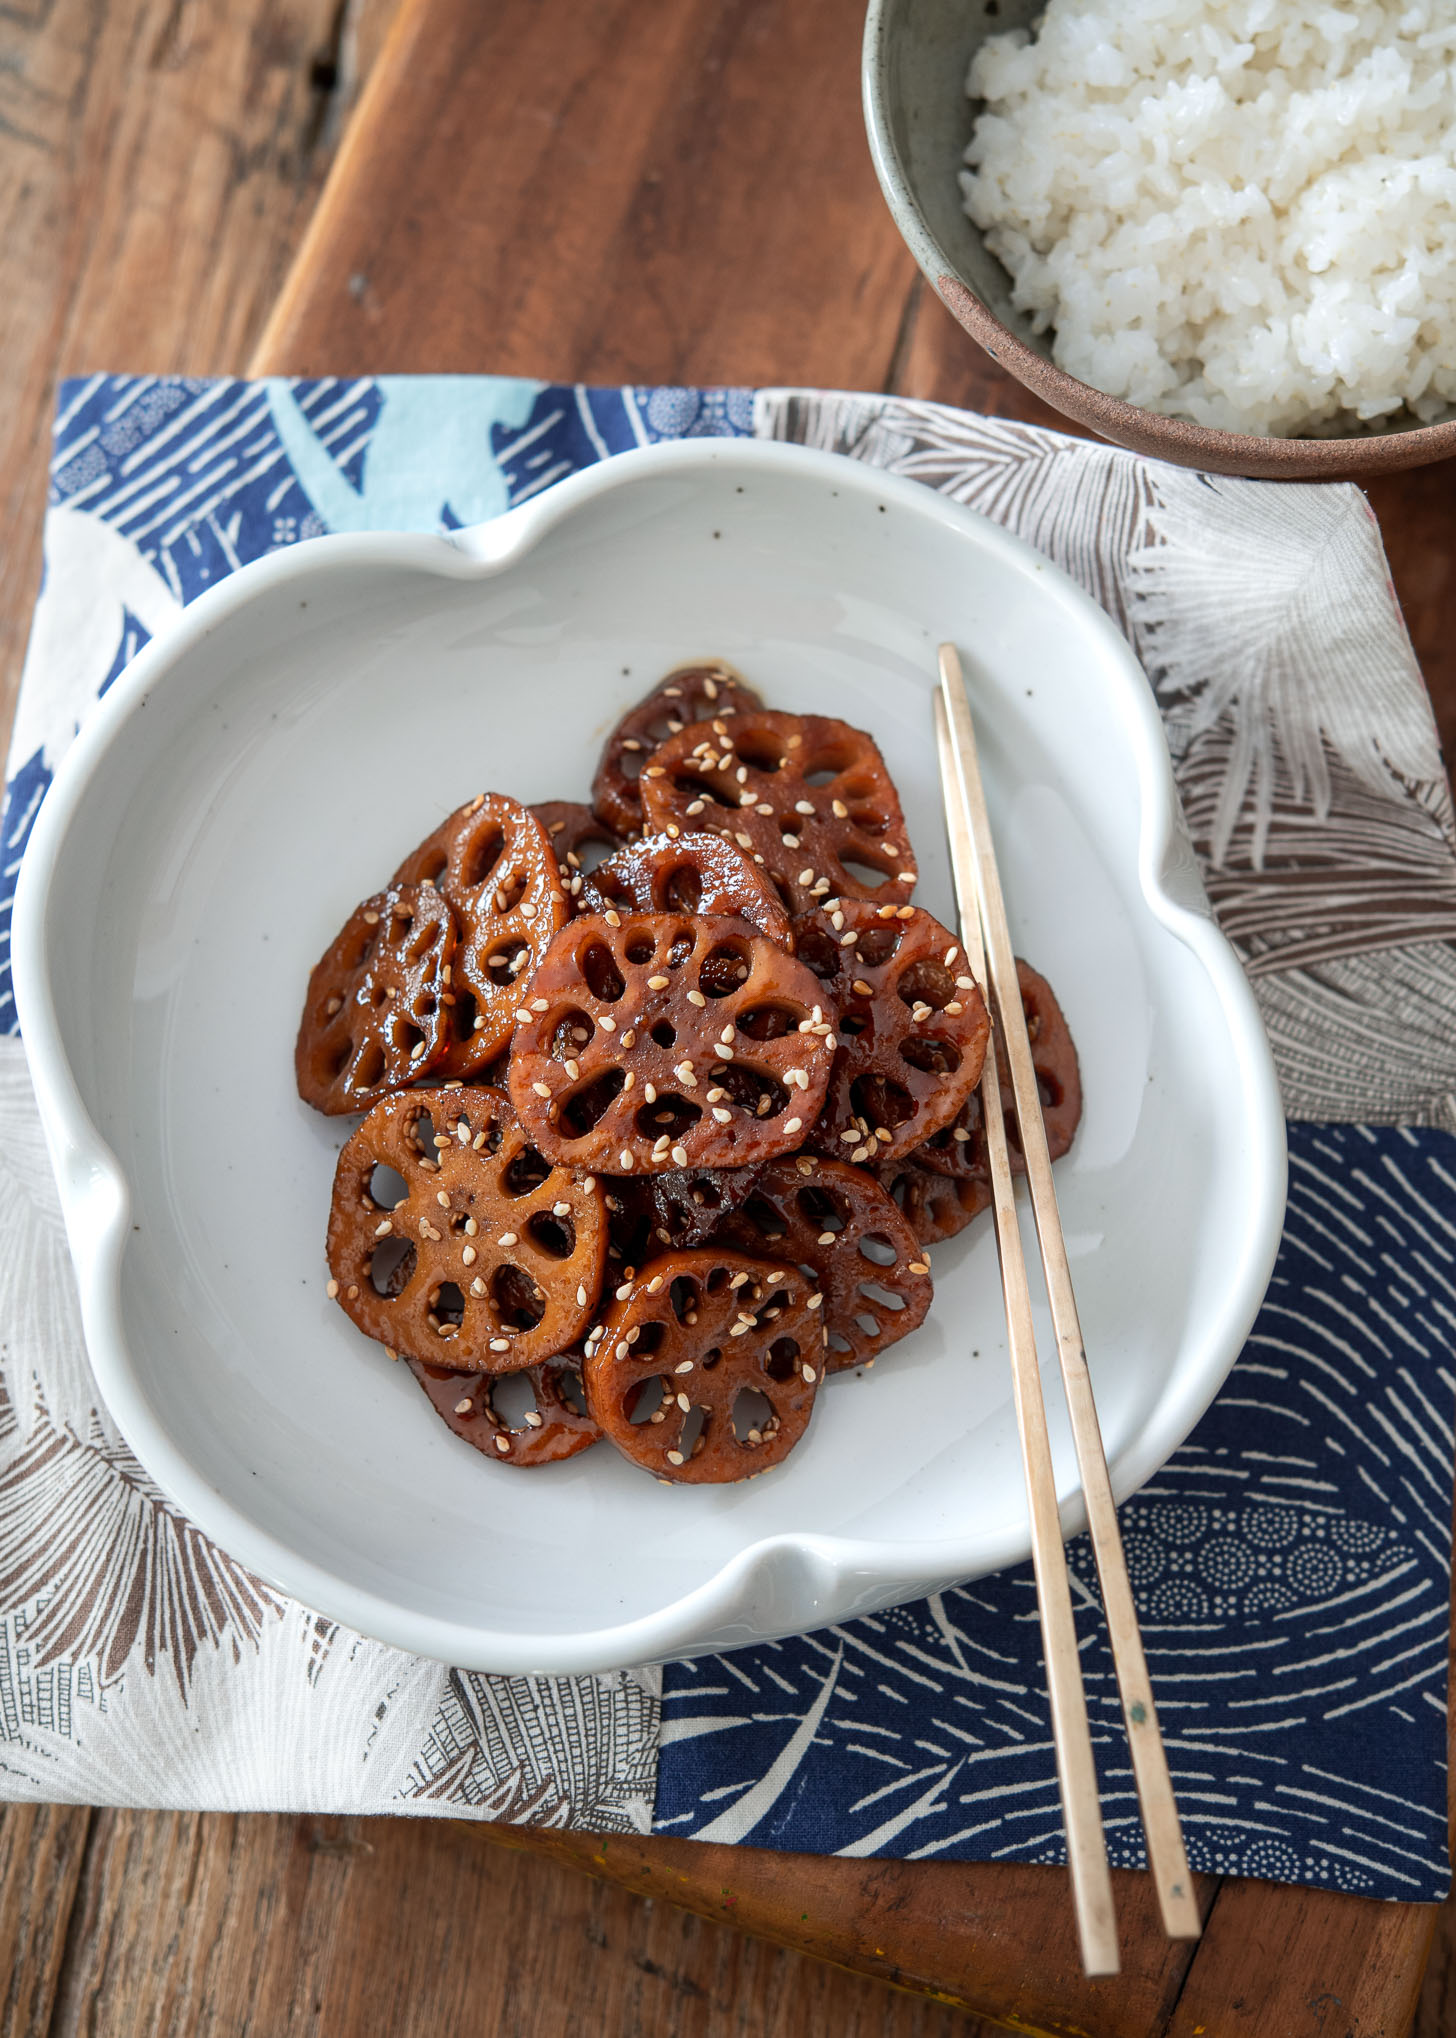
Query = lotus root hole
x=519 y=1302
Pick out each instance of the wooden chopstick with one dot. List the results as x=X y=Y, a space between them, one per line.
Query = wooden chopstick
x=1071 y=1734
x=1167 y=1857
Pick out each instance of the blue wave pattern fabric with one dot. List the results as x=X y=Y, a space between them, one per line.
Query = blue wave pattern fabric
x=1291 y=1565
x=161 y=486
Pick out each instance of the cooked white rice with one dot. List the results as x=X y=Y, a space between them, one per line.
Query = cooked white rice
x=1241 y=212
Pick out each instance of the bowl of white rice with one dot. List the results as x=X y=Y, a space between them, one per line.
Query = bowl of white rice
x=1221 y=233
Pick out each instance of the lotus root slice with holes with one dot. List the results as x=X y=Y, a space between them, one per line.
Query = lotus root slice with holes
x=807 y=794
x=837 y=1223
x=492 y=861
x=453 y=1241
x=667 y=1042
x=686 y=695
x=959 y=1148
x=373 y=1016
x=935 y=1206
x=570 y=829
x=687 y=872
x=706 y=1370
x=913 y=1027
x=556 y=1426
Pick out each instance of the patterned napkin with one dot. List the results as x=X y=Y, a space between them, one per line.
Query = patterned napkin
x=1292 y=1562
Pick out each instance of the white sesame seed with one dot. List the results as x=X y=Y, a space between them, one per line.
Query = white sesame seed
x=680 y=1156
x=477 y=1286
x=696 y=806
x=904 y=912
x=723 y=1117
x=906 y=877
x=674 y=1457
x=503 y=1445
x=810 y=1375
x=625 y=1160
x=464 y=1407
x=382 y=1229
x=581 y=1298
x=573 y=1069
x=740 y=1330
x=841 y=811
x=683 y=1403
x=744 y=841
x=860 y=1153
x=793 y=1125
x=622 y=1348
x=883 y=1135
x=500 y=1344
x=803 y=806
x=468 y=1255
x=919 y=1267
x=332 y=1290
x=522 y=1012
x=538 y=1004
x=965 y=983
x=541 y=1089
x=814 y=1301
x=371 y=919
x=561 y=1210
x=657 y=983
x=608 y=1024
x=507 y=1238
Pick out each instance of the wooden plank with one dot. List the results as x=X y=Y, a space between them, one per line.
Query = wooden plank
x=220 y=1927
x=1309 y=1965
x=634 y=190
x=961 y=1932
x=41 y=1849
x=158 y=161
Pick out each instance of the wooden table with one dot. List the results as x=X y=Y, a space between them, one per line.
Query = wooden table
x=637 y=190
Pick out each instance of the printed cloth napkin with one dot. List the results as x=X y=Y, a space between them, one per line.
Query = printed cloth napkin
x=1292 y=1561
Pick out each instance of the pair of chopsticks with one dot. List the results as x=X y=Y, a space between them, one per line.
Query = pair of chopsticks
x=985 y=935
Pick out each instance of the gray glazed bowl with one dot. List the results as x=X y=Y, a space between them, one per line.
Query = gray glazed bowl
x=916 y=55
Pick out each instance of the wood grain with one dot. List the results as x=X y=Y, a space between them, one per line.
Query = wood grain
x=41 y=1850
x=158 y=162
x=655 y=190
x=217 y=1927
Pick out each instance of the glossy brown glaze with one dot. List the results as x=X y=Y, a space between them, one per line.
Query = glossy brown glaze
x=666 y=1042
x=374 y=1017
x=667 y=1365
x=806 y=796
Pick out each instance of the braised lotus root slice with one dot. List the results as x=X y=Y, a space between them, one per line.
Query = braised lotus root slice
x=665 y=1042
x=913 y=1028
x=690 y=1203
x=706 y=1369
x=553 y=1422
x=687 y=872
x=837 y=1224
x=808 y=795
x=452 y=1240
x=935 y=1206
x=959 y=1148
x=493 y=862
x=686 y=695
x=572 y=828
x=374 y=1014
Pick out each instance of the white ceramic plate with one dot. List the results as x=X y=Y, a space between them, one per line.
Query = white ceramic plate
x=251 y=776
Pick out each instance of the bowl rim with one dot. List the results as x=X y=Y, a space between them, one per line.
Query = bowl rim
x=1126 y=424
x=96 y=1198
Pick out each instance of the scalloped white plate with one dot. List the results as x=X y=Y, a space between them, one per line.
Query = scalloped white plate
x=253 y=774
